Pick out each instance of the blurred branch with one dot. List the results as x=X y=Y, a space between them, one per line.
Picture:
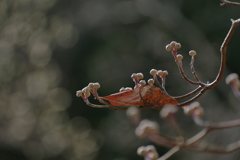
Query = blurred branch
x=228 y=3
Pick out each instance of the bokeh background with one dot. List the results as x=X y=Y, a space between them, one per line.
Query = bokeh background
x=49 y=49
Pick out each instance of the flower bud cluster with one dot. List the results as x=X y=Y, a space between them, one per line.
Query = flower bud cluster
x=86 y=91
x=173 y=45
x=194 y=109
x=147 y=128
x=137 y=76
x=168 y=110
x=148 y=151
x=160 y=73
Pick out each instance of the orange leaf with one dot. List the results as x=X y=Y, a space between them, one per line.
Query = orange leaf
x=151 y=95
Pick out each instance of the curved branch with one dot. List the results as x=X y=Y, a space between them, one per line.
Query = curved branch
x=223 y=50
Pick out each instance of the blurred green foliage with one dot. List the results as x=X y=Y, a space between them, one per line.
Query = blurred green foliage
x=51 y=48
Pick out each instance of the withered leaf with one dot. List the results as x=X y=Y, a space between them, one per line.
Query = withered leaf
x=150 y=95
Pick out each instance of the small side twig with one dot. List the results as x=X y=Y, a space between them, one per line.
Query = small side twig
x=228 y=3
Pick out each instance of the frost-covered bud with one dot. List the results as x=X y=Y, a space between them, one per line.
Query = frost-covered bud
x=153 y=72
x=147 y=127
x=232 y=78
x=178 y=46
x=192 y=53
x=168 y=110
x=134 y=114
x=173 y=44
x=194 y=109
x=168 y=47
x=90 y=85
x=140 y=76
x=142 y=83
x=165 y=73
x=160 y=73
x=86 y=89
x=134 y=75
x=141 y=151
x=96 y=85
x=148 y=151
x=151 y=81
x=150 y=148
x=179 y=57
x=79 y=93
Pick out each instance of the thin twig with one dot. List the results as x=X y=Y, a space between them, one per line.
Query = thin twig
x=228 y=3
x=188 y=94
x=197 y=137
x=200 y=93
x=223 y=50
x=219 y=125
x=169 y=153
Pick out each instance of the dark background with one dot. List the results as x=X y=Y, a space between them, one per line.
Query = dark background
x=49 y=49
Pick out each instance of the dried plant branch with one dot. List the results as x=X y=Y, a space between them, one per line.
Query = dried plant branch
x=150 y=96
x=219 y=125
x=223 y=50
x=228 y=3
x=169 y=153
x=189 y=94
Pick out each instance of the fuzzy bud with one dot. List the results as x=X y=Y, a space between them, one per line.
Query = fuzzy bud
x=160 y=73
x=168 y=47
x=90 y=85
x=151 y=81
x=79 y=93
x=194 y=109
x=179 y=57
x=192 y=53
x=96 y=85
x=153 y=72
x=142 y=83
x=231 y=78
x=147 y=127
x=165 y=73
x=134 y=114
x=134 y=75
x=141 y=151
x=168 y=110
x=173 y=44
x=148 y=151
x=140 y=76
x=178 y=46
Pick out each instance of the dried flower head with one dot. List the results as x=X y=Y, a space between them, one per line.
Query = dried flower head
x=192 y=53
x=151 y=81
x=232 y=78
x=153 y=72
x=147 y=127
x=179 y=57
x=194 y=109
x=149 y=152
x=168 y=110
